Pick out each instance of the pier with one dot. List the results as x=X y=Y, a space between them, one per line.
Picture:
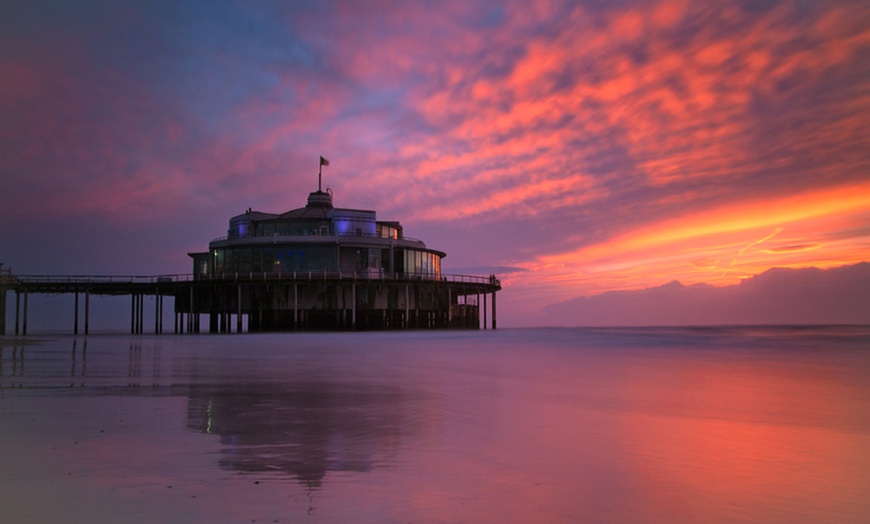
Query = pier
x=317 y=267
x=255 y=302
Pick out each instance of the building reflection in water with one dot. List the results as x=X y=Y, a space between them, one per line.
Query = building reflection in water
x=302 y=430
x=12 y=372
x=79 y=363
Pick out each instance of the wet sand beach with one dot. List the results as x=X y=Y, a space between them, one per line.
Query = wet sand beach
x=537 y=425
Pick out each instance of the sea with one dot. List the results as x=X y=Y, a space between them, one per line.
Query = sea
x=551 y=425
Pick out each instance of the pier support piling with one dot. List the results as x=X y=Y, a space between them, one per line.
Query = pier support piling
x=407 y=307
x=239 y=308
x=17 y=310
x=87 y=310
x=24 y=324
x=327 y=302
x=76 y=315
x=156 y=312
x=493 y=310
x=484 y=310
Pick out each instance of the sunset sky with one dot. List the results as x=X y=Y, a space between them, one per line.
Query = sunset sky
x=572 y=148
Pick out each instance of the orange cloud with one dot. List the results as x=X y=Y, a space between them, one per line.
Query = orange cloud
x=795 y=230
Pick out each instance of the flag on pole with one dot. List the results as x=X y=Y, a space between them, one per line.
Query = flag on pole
x=324 y=162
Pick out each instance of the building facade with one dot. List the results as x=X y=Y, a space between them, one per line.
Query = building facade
x=322 y=267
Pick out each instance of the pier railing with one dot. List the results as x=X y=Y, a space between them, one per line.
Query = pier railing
x=84 y=280
x=102 y=279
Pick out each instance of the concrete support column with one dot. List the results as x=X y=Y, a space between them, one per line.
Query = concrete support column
x=239 y=310
x=87 y=310
x=493 y=310
x=190 y=313
x=156 y=312
x=449 y=307
x=484 y=310
x=76 y=315
x=407 y=307
x=353 y=307
x=160 y=324
x=24 y=324
x=477 y=302
x=17 y=310
x=2 y=311
x=295 y=306
x=135 y=313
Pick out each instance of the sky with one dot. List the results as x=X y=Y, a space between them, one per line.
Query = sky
x=573 y=148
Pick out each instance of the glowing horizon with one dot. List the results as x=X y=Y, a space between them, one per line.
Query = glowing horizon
x=722 y=246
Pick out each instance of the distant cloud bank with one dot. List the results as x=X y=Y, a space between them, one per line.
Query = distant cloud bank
x=777 y=296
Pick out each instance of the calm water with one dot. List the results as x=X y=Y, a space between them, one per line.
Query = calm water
x=539 y=425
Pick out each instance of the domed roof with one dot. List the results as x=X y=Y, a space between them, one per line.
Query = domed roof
x=319 y=206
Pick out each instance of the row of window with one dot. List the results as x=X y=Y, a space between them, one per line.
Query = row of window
x=313 y=257
x=422 y=263
x=244 y=228
x=280 y=259
x=279 y=228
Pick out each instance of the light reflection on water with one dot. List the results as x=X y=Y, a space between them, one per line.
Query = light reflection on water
x=555 y=425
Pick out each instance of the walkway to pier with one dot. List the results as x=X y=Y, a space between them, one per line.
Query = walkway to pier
x=223 y=297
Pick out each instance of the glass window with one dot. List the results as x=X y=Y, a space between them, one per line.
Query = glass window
x=257 y=260
x=229 y=261
x=243 y=262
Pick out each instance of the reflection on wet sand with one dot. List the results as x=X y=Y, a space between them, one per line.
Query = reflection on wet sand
x=84 y=363
x=16 y=369
x=302 y=430
x=525 y=426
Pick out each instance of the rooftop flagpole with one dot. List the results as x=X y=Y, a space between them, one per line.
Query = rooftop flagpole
x=323 y=162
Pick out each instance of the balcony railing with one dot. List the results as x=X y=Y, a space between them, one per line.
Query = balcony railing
x=252 y=276
x=403 y=238
x=349 y=275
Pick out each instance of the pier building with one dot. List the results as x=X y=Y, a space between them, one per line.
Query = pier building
x=325 y=267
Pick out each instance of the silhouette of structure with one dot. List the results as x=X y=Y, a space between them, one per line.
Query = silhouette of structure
x=322 y=267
